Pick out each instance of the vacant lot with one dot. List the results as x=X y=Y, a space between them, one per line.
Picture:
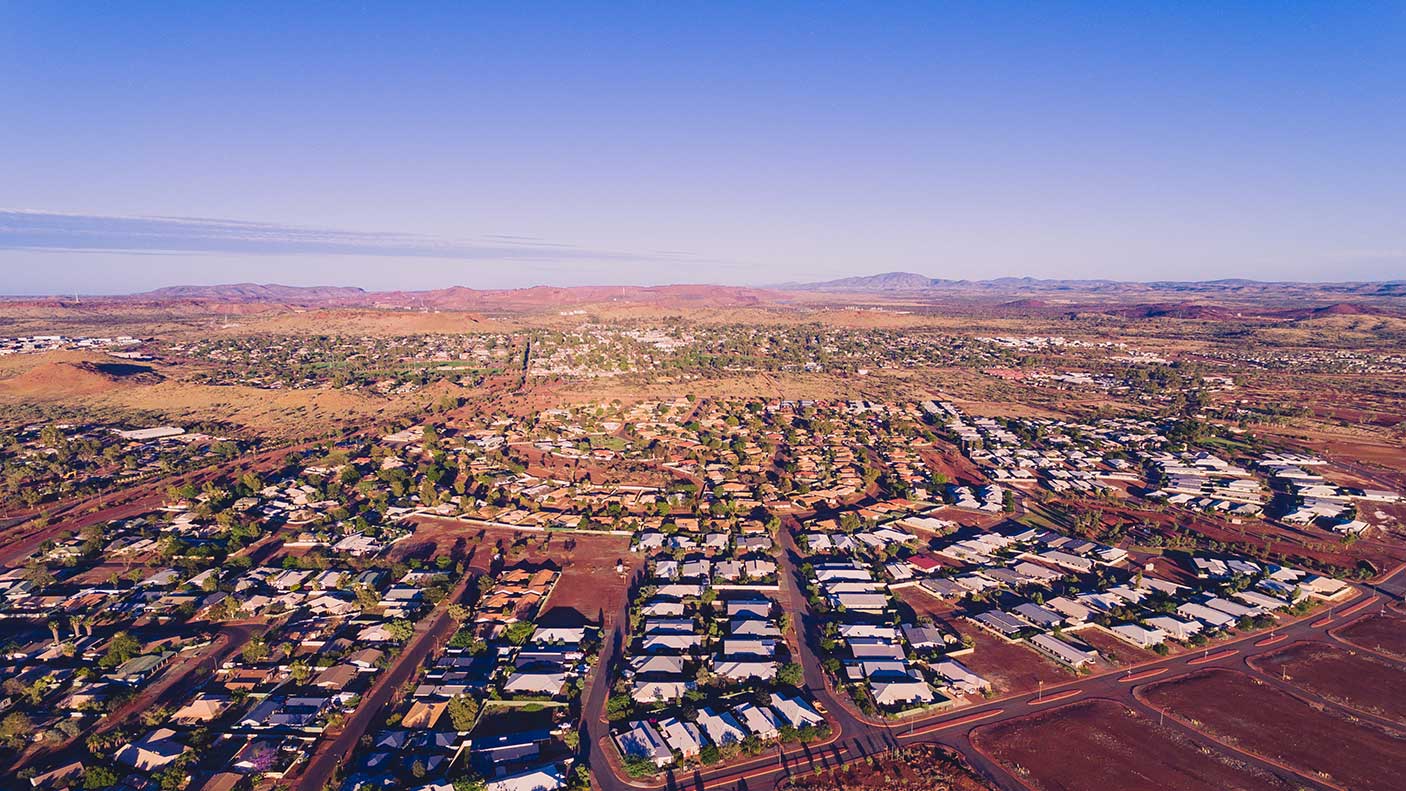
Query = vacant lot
x=946 y=459
x=1383 y=633
x=589 y=585
x=439 y=537
x=1117 y=652
x=923 y=603
x=589 y=588
x=1099 y=744
x=103 y=572
x=435 y=536
x=1266 y=721
x=922 y=767
x=1356 y=679
x=497 y=720
x=1010 y=667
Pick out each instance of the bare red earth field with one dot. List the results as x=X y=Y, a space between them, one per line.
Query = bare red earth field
x=435 y=537
x=945 y=459
x=1117 y=652
x=589 y=586
x=925 y=604
x=1356 y=679
x=922 y=767
x=1266 y=721
x=1100 y=745
x=1010 y=667
x=1384 y=633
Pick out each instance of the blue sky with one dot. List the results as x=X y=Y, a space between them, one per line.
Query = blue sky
x=392 y=145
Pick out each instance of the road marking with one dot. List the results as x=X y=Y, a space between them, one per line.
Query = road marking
x=1058 y=696
x=1156 y=671
x=1201 y=660
x=1357 y=607
x=970 y=718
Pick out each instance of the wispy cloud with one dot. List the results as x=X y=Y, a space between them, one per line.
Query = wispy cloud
x=22 y=229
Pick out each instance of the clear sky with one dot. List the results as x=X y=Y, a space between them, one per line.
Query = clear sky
x=414 y=145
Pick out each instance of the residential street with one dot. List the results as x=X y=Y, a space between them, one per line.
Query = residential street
x=856 y=736
x=430 y=633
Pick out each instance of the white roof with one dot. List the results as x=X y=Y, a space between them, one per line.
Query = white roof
x=721 y=729
x=547 y=778
x=760 y=721
x=795 y=711
x=892 y=693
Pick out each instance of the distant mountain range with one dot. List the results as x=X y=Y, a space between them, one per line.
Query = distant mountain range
x=255 y=292
x=456 y=297
x=1210 y=300
x=909 y=282
x=898 y=283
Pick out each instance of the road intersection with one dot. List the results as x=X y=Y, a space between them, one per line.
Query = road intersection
x=855 y=736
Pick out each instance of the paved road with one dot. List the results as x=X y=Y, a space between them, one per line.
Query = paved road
x=124 y=502
x=857 y=736
x=594 y=730
x=430 y=633
x=172 y=687
x=1393 y=586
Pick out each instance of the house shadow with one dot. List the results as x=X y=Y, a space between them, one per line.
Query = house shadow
x=564 y=618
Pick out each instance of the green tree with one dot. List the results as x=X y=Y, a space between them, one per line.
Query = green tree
x=619 y=707
x=519 y=633
x=463 y=711
x=122 y=647
x=98 y=777
x=300 y=672
x=256 y=650
x=400 y=630
x=16 y=729
x=791 y=674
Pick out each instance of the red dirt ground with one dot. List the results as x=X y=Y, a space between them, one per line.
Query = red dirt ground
x=435 y=537
x=1116 y=651
x=1384 y=633
x=1355 y=679
x=1010 y=667
x=1099 y=745
x=1296 y=542
x=1266 y=721
x=588 y=584
x=922 y=767
x=946 y=459
x=926 y=604
x=101 y=572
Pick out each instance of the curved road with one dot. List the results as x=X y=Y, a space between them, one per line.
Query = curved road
x=856 y=736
